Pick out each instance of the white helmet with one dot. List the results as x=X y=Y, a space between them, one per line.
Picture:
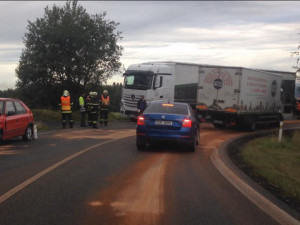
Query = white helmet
x=66 y=93
x=105 y=92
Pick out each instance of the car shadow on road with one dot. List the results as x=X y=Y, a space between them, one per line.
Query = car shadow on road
x=166 y=148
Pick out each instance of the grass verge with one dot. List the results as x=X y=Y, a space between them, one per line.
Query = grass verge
x=44 y=117
x=275 y=165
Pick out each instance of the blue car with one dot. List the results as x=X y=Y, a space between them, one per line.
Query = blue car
x=168 y=122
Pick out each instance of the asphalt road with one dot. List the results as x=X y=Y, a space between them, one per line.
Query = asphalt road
x=87 y=176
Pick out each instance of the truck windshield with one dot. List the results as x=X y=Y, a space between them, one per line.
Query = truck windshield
x=141 y=81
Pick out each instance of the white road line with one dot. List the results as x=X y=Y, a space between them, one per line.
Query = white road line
x=21 y=186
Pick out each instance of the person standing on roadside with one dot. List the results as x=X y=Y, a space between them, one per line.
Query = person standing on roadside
x=66 y=109
x=88 y=108
x=104 y=108
x=141 y=105
x=94 y=110
x=82 y=110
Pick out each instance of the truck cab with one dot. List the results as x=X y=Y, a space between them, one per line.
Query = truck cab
x=153 y=81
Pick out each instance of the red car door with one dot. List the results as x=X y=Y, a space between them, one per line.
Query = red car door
x=22 y=118
x=11 y=126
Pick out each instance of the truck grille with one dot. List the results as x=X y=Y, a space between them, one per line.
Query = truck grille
x=130 y=101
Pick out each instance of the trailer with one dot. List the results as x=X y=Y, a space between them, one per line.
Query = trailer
x=288 y=87
x=225 y=96
x=239 y=97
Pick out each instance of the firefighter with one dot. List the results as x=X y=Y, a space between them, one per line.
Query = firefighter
x=88 y=108
x=82 y=109
x=104 y=102
x=66 y=109
x=94 y=109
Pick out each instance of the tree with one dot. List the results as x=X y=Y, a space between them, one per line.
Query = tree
x=67 y=49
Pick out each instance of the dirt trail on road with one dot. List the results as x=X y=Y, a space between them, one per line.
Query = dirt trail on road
x=137 y=195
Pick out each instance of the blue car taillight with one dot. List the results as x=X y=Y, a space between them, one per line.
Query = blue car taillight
x=141 y=120
x=187 y=123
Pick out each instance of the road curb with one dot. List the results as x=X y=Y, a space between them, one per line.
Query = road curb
x=268 y=203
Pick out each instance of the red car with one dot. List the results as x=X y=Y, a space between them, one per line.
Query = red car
x=16 y=119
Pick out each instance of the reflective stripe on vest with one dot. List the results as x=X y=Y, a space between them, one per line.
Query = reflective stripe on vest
x=65 y=103
x=105 y=101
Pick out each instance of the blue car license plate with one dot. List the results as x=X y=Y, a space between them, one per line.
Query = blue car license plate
x=163 y=122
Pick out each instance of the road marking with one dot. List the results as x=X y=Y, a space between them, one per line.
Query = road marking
x=21 y=186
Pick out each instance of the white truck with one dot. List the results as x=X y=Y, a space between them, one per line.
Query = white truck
x=158 y=81
x=226 y=96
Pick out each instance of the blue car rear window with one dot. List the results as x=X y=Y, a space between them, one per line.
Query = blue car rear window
x=175 y=109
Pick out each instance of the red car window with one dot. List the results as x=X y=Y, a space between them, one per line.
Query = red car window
x=10 y=107
x=20 y=108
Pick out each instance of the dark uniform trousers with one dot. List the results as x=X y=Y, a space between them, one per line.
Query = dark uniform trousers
x=88 y=110
x=94 y=113
x=104 y=116
x=65 y=117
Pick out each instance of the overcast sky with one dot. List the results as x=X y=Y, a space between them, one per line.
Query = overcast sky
x=254 y=34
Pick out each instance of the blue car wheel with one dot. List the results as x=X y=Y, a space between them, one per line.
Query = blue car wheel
x=195 y=142
x=140 y=144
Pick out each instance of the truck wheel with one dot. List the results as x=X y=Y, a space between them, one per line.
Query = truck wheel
x=218 y=125
x=140 y=144
x=28 y=134
x=132 y=119
x=252 y=125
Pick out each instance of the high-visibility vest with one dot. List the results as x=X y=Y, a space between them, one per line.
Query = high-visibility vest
x=65 y=103
x=81 y=101
x=105 y=101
